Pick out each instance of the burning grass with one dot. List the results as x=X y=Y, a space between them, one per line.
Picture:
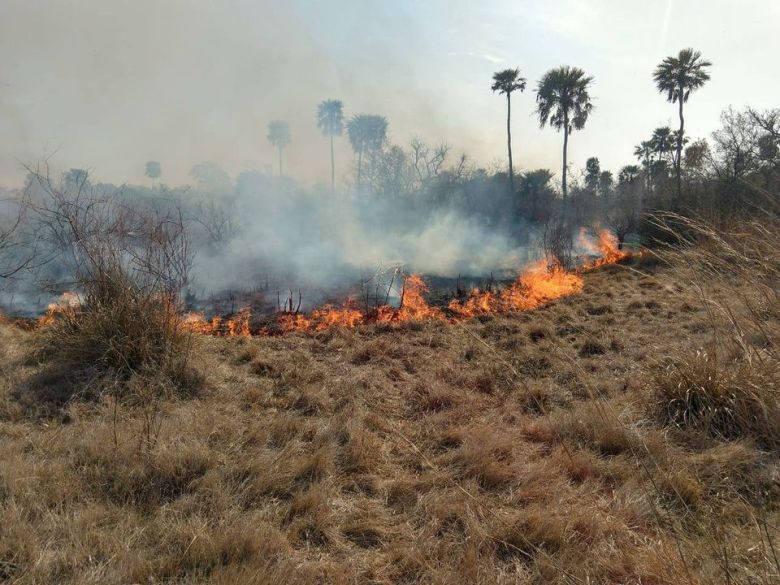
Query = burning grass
x=513 y=447
x=538 y=285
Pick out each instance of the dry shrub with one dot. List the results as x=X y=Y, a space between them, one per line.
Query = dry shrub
x=129 y=262
x=532 y=530
x=119 y=334
x=730 y=400
x=426 y=399
x=732 y=390
x=191 y=549
x=361 y=451
x=591 y=347
x=310 y=517
x=364 y=527
x=125 y=476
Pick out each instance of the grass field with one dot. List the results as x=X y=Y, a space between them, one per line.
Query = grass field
x=536 y=447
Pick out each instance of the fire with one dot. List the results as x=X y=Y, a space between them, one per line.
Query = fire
x=414 y=307
x=607 y=247
x=535 y=287
x=67 y=302
x=538 y=285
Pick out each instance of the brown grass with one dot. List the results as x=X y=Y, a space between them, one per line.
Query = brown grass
x=495 y=451
x=122 y=341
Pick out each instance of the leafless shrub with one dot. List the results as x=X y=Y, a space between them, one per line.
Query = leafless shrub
x=17 y=249
x=128 y=265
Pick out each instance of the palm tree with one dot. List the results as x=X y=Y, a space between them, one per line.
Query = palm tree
x=153 y=171
x=506 y=82
x=330 y=121
x=563 y=101
x=644 y=152
x=366 y=133
x=279 y=136
x=677 y=77
x=662 y=142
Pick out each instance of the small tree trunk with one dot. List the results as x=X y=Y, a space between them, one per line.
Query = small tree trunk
x=332 y=167
x=678 y=162
x=509 y=142
x=565 y=149
x=360 y=166
x=280 y=161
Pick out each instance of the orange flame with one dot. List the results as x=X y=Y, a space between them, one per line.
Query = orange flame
x=68 y=302
x=538 y=285
x=607 y=247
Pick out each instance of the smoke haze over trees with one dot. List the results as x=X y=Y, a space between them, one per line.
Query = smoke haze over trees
x=187 y=82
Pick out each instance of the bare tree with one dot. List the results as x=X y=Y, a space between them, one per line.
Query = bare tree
x=17 y=246
x=427 y=161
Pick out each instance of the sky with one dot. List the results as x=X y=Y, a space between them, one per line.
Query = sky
x=107 y=85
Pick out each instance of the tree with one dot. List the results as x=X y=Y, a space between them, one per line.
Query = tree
x=279 y=136
x=536 y=195
x=663 y=143
x=592 y=174
x=75 y=180
x=153 y=170
x=628 y=174
x=644 y=153
x=211 y=178
x=606 y=184
x=330 y=121
x=506 y=82
x=563 y=102
x=677 y=77
x=366 y=133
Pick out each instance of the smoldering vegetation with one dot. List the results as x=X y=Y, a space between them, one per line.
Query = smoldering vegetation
x=262 y=236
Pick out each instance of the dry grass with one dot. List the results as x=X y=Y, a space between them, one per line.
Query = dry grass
x=523 y=448
x=121 y=341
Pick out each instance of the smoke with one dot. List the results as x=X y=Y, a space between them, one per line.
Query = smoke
x=324 y=243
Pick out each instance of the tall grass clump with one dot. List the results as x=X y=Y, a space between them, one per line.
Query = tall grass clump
x=730 y=389
x=127 y=264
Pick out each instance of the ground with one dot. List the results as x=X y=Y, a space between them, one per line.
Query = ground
x=518 y=448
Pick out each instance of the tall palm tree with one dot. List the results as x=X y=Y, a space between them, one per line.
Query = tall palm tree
x=366 y=133
x=506 y=82
x=330 y=121
x=279 y=136
x=677 y=77
x=563 y=102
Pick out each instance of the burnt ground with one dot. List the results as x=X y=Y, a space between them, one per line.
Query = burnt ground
x=519 y=448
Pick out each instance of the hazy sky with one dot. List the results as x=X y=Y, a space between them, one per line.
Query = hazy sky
x=110 y=84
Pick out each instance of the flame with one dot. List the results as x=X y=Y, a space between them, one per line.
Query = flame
x=538 y=285
x=67 y=303
x=607 y=247
x=413 y=307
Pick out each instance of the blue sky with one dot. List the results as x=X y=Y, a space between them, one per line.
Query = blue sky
x=108 y=85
